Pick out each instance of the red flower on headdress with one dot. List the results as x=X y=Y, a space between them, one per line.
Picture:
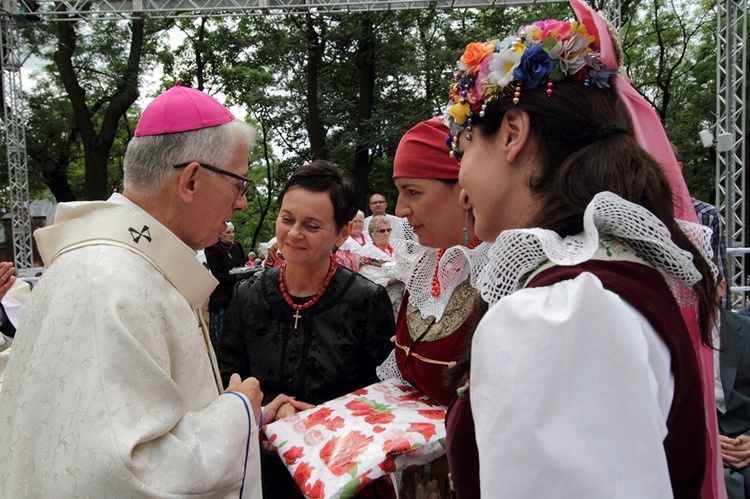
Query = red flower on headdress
x=475 y=54
x=342 y=454
x=560 y=30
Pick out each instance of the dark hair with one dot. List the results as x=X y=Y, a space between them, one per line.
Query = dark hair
x=584 y=144
x=322 y=176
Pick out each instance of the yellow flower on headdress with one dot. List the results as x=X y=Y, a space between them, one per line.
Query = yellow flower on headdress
x=519 y=47
x=459 y=112
x=475 y=54
x=580 y=29
x=533 y=33
x=574 y=49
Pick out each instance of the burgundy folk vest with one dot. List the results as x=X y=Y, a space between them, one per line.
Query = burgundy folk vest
x=644 y=289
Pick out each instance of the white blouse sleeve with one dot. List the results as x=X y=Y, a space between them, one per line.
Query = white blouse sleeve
x=570 y=392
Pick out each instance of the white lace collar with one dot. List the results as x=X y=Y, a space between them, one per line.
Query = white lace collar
x=415 y=266
x=516 y=253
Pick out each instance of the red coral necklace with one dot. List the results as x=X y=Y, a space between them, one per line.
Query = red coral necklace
x=435 y=287
x=312 y=301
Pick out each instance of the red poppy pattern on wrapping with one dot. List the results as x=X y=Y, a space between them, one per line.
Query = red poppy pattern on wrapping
x=317 y=417
x=339 y=447
x=373 y=412
x=317 y=491
x=294 y=453
x=342 y=454
x=426 y=429
x=321 y=417
x=436 y=414
x=303 y=472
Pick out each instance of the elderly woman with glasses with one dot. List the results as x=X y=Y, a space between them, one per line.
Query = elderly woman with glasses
x=348 y=253
x=377 y=262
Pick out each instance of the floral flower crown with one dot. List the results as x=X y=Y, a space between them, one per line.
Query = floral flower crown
x=546 y=51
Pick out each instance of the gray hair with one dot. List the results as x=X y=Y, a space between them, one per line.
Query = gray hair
x=150 y=160
x=360 y=213
x=377 y=220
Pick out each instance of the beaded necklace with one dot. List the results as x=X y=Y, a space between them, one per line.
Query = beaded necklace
x=435 y=286
x=226 y=248
x=297 y=307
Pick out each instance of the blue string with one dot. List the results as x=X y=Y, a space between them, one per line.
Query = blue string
x=249 y=435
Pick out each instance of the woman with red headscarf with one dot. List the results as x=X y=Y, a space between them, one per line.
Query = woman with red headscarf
x=440 y=305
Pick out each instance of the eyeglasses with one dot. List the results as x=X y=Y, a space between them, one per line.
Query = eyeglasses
x=241 y=189
x=377 y=202
x=383 y=231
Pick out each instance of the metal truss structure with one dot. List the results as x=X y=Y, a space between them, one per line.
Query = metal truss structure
x=730 y=126
x=14 y=114
x=105 y=9
x=731 y=84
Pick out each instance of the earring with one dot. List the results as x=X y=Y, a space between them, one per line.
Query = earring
x=466 y=229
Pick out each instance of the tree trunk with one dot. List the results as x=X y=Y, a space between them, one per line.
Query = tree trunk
x=56 y=179
x=315 y=128
x=366 y=64
x=97 y=144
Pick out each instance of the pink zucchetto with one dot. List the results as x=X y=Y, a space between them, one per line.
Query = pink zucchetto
x=423 y=153
x=181 y=109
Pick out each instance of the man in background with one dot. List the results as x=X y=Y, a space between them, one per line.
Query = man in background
x=731 y=341
x=378 y=205
x=709 y=216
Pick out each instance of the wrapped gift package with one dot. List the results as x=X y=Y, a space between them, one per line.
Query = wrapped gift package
x=339 y=447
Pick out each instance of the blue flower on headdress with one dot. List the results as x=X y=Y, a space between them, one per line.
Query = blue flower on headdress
x=505 y=43
x=600 y=77
x=534 y=67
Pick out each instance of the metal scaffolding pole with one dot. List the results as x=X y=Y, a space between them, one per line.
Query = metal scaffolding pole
x=112 y=9
x=15 y=138
x=730 y=134
x=613 y=13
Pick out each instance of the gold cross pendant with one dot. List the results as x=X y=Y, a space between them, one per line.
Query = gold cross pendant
x=297 y=316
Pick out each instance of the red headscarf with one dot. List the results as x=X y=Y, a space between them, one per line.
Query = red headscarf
x=423 y=153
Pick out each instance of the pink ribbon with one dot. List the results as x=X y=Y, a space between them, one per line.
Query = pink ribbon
x=649 y=133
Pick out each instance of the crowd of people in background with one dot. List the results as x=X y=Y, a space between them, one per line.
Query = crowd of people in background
x=543 y=279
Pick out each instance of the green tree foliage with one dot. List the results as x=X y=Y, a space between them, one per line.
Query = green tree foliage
x=670 y=52
x=345 y=87
x=78 y=122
